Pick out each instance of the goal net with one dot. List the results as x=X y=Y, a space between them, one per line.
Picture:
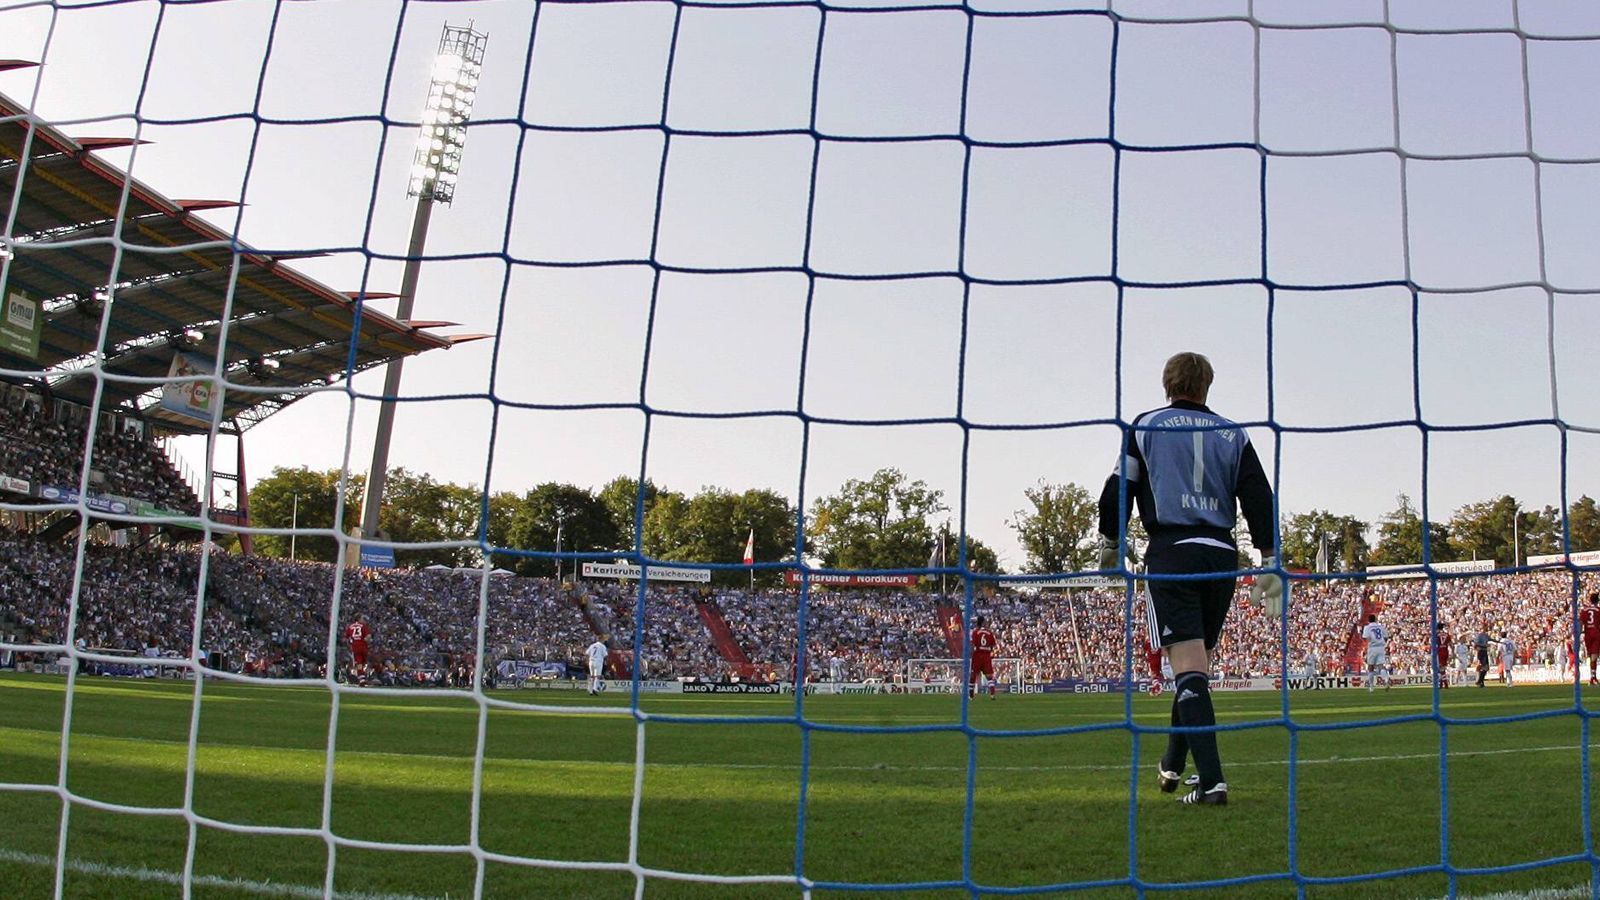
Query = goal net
x=773 y=246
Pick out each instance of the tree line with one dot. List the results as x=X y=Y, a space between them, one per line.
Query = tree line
x=884 y=521
x=1499 y=529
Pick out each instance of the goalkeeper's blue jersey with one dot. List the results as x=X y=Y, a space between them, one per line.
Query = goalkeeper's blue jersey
x=1189 y=470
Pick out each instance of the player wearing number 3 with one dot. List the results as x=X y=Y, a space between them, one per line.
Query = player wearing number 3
x=1189 y=470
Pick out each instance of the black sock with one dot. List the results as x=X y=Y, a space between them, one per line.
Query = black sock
x=1195 y=710
x=1177 y=756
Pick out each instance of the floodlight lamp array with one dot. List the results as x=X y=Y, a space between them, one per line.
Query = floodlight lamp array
x=262 y=367
x=451 y=92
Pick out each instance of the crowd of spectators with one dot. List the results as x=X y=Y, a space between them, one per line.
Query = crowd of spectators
x=274 y=617
x=1045 y=631
x=676 y=641
x=1533 y=610
x=47 y=449
x=872 y=633
x=1323 y=618
x=129 y=601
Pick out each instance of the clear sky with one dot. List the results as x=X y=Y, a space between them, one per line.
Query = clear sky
x=1469 y=222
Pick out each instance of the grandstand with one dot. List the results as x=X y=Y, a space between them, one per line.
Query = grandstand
x=948 y=242
x=270 y=617
x=125 y=288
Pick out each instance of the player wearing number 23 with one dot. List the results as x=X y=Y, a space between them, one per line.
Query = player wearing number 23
x=1190 y=471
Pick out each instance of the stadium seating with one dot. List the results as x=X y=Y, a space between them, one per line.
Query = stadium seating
x=272 y=617
x=48 y=450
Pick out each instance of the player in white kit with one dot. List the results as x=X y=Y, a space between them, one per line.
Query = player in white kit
x=1377 y=638
x=596 y=652
x=1508 y=658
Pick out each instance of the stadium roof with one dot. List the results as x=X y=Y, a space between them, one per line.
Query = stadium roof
x=173 y=279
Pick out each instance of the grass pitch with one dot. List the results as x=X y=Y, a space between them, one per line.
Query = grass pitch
x=725 y=798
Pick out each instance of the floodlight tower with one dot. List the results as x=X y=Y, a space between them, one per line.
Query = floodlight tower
x=434 y=167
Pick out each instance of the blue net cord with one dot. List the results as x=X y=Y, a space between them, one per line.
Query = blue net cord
x=799 y=719
x=968 y=882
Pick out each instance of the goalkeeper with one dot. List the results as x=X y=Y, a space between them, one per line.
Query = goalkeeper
x=1186 y=468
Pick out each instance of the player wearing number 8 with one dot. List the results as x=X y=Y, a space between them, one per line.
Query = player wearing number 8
x=1189 y=470
x=1377 y=638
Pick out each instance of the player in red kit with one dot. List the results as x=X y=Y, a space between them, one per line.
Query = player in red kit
x=983 y=645
x=356 y=635
x=1152 y=658
x=1589 y=618
x=1442 y=641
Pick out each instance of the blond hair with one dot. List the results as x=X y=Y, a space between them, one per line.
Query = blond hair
x=1187 y=376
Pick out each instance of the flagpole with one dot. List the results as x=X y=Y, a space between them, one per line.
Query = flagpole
x=1516 y=537
x=942 y=559
x=750 y=555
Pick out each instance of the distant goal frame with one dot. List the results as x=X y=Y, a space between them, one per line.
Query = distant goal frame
x=958 y=663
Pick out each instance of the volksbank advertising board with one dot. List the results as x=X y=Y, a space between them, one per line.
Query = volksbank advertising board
x=656 y=573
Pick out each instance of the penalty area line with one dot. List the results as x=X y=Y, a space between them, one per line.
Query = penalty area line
x=162 y=876
x=1097 y=767
x=877 y=767
x=1576 y=892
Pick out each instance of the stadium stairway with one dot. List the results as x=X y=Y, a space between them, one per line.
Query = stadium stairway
x=950 y=627
x=621 y=661
x=60 y=528
x=722 y=637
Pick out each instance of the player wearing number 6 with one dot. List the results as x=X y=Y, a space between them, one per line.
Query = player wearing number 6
x=983 y=645
x=1189 y=470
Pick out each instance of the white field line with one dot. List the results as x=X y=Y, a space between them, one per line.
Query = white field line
x=875 y=767
x=303 y=891
x=161 y=876
x=1576 y=892
x=1079 y=767
x=271 y=889
x=1065 y=767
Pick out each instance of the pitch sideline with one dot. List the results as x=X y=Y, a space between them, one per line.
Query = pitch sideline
x=879 y=767
x=162 y=876
x=297 y=891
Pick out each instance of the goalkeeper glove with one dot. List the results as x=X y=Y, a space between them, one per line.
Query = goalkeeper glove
x=1267 y=591
x=1107 y=548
